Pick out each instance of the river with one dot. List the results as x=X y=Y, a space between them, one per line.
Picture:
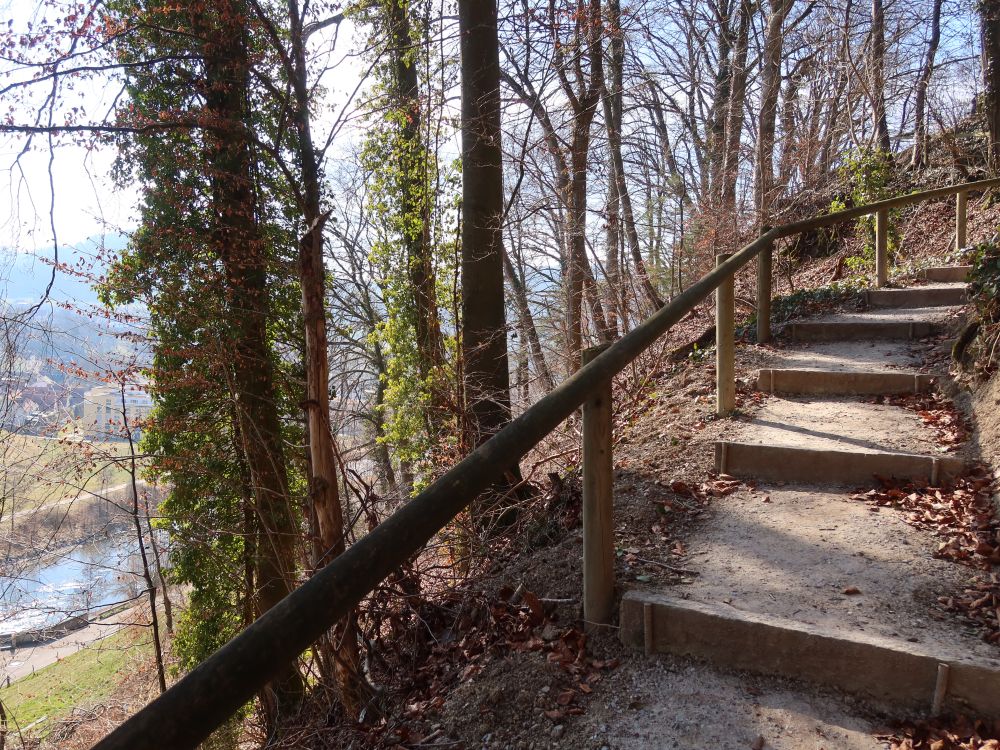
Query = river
x=71 y=581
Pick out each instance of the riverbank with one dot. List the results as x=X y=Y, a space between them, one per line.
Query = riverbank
x=40 y=704
x=19 y=662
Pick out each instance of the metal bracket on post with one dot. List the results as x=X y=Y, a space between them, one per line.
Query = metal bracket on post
x=961 y=219
x=725 y=343
x=881 y=248
x=598 y=524
x=764 y=275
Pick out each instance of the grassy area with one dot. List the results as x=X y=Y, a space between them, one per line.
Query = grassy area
x=37 y=470
x=86 y=677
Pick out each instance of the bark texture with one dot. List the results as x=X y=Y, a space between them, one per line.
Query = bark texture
x=920 y=104
x=484 y=324
x=878 y=77
x=770 y=88
x=236 y=238
x=990 y=14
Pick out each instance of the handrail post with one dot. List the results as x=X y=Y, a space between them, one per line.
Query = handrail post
x=598 y=525
x=725 y=343
x=881 y=248
x=764 y=275
x=961 y=219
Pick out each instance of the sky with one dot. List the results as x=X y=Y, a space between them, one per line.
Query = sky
x=84 y=201
x=65 y=197
x=60 y=197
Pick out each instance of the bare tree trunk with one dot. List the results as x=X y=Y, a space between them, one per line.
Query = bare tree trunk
x=526 y=323
x=770 y=89
x=990 y=16
x=329 y=538
x=831 y=130
x=613 y=106
x=484 y=323
x=580 y=277
x=168 y=613
x=734 y=111
x=715 y=137
x=617 y=301
x=920 y=106
x=790 y=139
x=133 y=472
x=660 y=124
x=878 y=77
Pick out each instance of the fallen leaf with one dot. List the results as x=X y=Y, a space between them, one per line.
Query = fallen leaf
x=535 y=605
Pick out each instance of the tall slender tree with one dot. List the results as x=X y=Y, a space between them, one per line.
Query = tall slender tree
x=329 y=533
x=484 y=323
x=877 y=77
x=613 y=96
x=989 y=14
x=923 y=83
x=770 y=89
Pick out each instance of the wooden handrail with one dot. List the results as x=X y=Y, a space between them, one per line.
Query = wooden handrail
x=826 y=220
x=213 y=691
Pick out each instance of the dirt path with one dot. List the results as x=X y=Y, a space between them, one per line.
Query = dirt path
x=676 y=703
x=809 y=554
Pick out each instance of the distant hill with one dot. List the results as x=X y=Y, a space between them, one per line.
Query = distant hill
x=24 y=276
x=70 y=325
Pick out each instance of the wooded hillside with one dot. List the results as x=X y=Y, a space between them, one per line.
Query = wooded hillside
x=368 y=234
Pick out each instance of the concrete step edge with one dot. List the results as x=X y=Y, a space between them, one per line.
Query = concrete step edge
x=779 y=463
x=892 y=672
x=842 y=382
x=917 y=297
x=947 y=273
x=849 y=330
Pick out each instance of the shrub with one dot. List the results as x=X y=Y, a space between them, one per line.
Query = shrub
x=867 y=175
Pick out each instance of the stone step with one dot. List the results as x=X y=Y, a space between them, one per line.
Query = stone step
x=842 y=382
x=947 y=273
x=892 y=672
x=772 y=463
x=861 y=330
x=935 y=296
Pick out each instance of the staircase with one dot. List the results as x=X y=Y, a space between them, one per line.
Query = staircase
x=797 y=579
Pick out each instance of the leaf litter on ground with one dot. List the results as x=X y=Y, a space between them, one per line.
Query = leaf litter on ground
x=962 y=515
x=951 y=429
x=943 y=733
